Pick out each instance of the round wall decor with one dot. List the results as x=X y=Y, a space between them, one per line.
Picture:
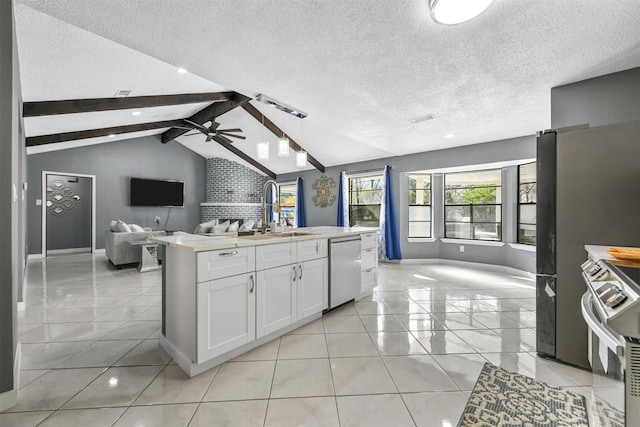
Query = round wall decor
x=323 y=187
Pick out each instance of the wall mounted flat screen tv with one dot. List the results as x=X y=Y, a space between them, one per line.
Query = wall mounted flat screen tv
x=152 y=192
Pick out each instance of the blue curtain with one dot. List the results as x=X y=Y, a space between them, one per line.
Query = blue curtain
x=389 y=235
x=341 y=217
x=273 y=216
x=300 y=218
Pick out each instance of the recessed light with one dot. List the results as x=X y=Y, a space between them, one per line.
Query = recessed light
x=136 y=113
x=182 y=70
x=449 y=135
x=112 y=135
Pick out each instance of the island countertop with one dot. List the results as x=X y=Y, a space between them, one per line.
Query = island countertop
x=200 y=243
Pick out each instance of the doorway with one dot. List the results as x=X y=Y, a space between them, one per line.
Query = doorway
x=68 y=213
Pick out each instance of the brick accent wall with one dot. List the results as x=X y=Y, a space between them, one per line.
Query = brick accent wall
x=233 y=188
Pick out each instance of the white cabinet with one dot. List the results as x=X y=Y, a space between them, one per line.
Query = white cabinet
x=276 y=299
x=311 y=249
x=313 y=283
x=226 y=310
x=369 y=262
x=275 y=255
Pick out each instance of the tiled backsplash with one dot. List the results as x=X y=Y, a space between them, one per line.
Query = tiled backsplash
x=235 y=190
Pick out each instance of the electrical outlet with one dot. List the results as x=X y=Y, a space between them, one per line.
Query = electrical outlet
x=157 y=220
x=461 y=248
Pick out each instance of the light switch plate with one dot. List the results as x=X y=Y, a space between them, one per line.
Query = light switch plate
x=38 y=202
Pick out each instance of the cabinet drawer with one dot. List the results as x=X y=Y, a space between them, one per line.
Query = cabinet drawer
x=369 y=258
x=369 y=240
x=275 y=255
x=213 y=265
x=311 y=249
x=368 y=278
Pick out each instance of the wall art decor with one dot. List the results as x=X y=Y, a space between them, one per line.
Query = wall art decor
x=60 y=198
x=324 y=196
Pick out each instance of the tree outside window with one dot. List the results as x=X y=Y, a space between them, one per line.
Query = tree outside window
x=473 y=205
x=365 y=196
x=287 y=203
x=419 y=205
x=527 y=198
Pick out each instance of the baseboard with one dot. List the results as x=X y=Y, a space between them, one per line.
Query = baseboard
x=68 y=251
x=478 y=265
x=100 y=251
x=9 y=399
x=22 y=306
x=34 y=256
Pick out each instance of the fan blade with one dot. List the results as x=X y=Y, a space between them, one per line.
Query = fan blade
x=192 y=134
x=229 y=130
x=222 y=140
x=209 y=137
x=232 y=135
x=184 y=127
x=214 y=125
x=195 y=124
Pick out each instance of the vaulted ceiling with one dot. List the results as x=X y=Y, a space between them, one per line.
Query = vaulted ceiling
x=360 y=69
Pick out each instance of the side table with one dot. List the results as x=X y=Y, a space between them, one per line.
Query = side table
x=148 y=255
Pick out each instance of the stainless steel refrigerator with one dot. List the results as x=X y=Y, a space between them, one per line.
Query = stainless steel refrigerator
x=588 y=192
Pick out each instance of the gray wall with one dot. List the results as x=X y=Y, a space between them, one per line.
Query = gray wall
x=12 y=170
x=71 y=228
x=609 y=99
x=114 y=163
x=514 y=149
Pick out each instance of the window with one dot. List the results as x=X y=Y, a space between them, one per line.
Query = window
x=365 y=196
x=473 y=205
x=419 y=205
x=287 y=203
x=527 y=189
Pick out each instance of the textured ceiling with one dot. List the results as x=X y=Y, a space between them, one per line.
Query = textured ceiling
x=360 y=69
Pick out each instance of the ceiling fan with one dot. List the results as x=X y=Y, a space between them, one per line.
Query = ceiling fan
x=212 y=132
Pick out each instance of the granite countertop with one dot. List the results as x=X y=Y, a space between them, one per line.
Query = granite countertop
x=211 y=242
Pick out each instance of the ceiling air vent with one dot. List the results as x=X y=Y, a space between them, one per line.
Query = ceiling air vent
x=122 y=93
x=422 y=118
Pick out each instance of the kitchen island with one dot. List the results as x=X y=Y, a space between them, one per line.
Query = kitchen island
x=223 y=296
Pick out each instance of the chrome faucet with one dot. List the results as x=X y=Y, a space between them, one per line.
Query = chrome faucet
x=265 y=220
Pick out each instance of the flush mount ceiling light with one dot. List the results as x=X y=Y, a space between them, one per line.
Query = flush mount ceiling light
x=301 y=159
x=453 y=12
x=281 y=106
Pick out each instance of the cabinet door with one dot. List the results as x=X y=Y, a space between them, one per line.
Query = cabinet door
x=369 y=258
x=311 y=249
x=226 y=315
x=368 y=281
x=313 y=282
x=276 y=299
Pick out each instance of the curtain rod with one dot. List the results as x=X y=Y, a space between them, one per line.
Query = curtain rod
x=367 y=171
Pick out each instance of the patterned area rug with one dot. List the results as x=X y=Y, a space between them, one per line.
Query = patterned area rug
x=505 y=399
x=607 y=415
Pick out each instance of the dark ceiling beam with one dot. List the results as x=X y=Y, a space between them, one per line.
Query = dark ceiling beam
x=279 y=133
x=33 y=141
x=214 y=110
x=235 y=150
x=70 y=106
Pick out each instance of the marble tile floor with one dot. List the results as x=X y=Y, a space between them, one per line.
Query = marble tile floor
x=409 y=354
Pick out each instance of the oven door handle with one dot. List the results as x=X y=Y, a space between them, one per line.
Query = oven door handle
x=611 y=340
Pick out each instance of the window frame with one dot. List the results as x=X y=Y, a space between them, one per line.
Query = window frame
x=471 y=206
x=518 y=223
x=370 y=174
x=429 y=205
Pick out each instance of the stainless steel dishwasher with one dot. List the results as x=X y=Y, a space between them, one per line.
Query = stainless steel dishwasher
x=344 y=270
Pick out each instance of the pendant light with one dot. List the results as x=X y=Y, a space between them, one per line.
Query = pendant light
x=453 y=12
x=283 y=144
x=263 y=146
x=301 y=159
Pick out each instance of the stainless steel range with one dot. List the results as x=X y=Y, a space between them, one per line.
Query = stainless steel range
x=611 y=308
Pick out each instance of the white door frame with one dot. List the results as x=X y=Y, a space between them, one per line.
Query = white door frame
x=44 y=207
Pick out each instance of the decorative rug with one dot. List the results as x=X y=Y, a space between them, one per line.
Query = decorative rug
x=505 y=399
x=606 y=415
